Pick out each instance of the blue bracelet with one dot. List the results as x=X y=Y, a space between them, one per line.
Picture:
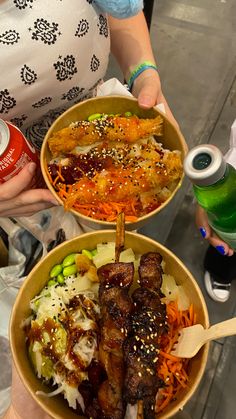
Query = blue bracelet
x=138 y=70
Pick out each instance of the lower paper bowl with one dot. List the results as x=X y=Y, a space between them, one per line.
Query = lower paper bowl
x=56 y=406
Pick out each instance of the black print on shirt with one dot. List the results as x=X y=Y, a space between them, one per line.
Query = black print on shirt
x=89 y=1
x=82 y=28
x=65 y=68
x=103 y=26
x=37 y=132
x=28 y=76
x=9 y=37
x=45 y=31
x=42 y=102
x=95 y=63
x=7 y=102
x=18 y=122
x=72 y=93
x=22 y=4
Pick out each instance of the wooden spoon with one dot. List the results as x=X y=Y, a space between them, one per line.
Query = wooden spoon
x=192 y=338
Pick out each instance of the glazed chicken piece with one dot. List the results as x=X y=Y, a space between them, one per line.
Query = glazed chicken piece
x=115 y=275
x=116 y=306
x=148 y=321
x=150 y=271
x=108 y=128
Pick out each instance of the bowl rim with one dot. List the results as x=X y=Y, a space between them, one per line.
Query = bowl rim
x=13 y=346
x=85 y=218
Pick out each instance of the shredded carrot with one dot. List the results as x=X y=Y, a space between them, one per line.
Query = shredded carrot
x=59 y=173
x=55 y=180
x=169 y=356
x=99 y=210
x=173 y=371
x=108 y=211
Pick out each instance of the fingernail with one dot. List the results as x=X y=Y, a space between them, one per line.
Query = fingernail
x=54 y=202
x=203 y=232
x=220 y=249
x=146 y=101
x=32 y=167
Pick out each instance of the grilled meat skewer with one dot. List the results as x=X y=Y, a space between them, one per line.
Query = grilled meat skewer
x=141 y=346
x=116 y=306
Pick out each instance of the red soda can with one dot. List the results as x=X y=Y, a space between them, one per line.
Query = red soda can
x=15 y=151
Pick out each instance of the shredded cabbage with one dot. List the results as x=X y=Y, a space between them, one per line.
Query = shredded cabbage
x=52 y=310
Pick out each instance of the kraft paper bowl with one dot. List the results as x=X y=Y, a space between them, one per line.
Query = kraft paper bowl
x=172 y=139
x=56 y=406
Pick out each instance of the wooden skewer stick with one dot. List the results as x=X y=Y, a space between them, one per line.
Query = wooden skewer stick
x=120 y=235
x=140 y=410
x=120 y=241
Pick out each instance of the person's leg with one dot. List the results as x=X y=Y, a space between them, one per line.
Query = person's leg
x=148 y=8
x=220 y=272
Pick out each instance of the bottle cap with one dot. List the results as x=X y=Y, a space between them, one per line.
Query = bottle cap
x=204 y=165
x=4 y=136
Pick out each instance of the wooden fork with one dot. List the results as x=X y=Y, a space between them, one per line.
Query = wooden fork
x=192 y=338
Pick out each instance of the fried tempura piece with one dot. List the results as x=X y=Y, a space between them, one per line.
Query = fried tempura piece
x=117 y=185
x=108 y=128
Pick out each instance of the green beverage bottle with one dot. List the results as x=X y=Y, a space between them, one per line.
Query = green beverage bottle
x=214 y=185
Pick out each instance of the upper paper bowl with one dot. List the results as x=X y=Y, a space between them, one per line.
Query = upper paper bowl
x=170 y=138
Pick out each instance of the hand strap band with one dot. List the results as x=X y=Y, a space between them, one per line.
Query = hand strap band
x=138 y=70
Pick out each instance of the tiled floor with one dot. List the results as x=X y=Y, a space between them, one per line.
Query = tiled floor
x=195 y=45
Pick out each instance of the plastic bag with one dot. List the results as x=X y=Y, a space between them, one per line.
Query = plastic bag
x=31 y=238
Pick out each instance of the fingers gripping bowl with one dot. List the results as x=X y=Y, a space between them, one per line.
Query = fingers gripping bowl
x=124 y=158
x=56 y=406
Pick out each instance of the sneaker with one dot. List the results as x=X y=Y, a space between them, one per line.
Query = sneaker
x=217 y=291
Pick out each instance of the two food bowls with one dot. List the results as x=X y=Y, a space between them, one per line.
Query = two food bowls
x=171 y=139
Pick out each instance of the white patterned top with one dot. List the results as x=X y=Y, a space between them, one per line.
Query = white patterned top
x=53 y=54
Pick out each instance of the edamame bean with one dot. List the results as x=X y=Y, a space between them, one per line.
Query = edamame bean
x=51 y=282
x=87 y=253
x=56 y=270
x=70 y=270
x=128 y=114
x=60 y=279
x=68 y=260
x=94 y=116
x=94 y=252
